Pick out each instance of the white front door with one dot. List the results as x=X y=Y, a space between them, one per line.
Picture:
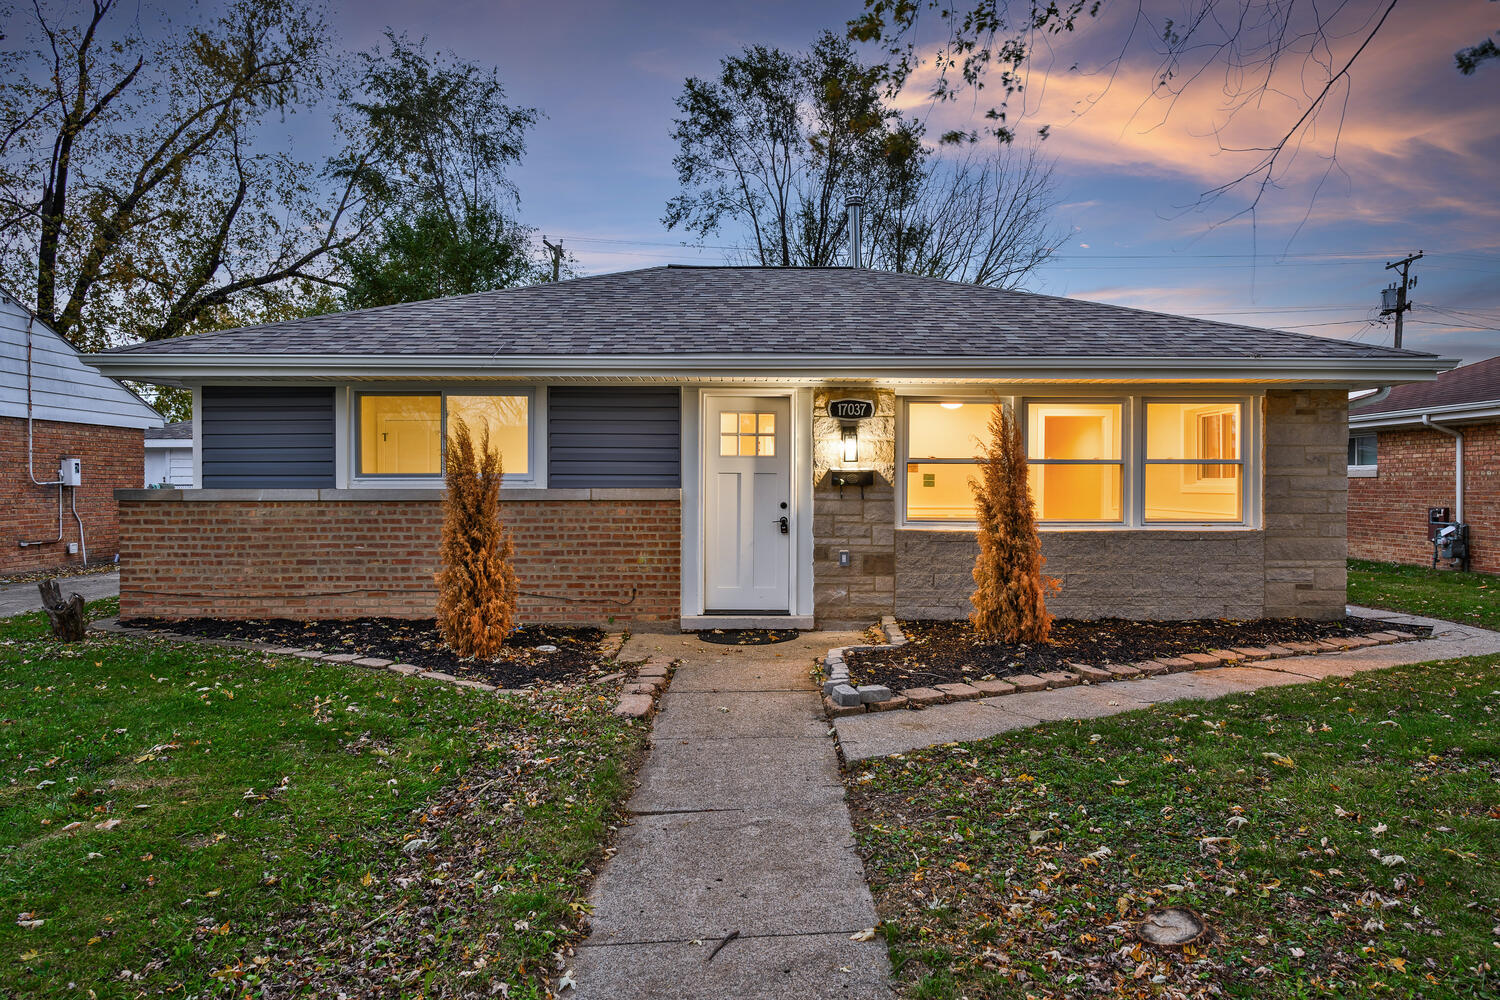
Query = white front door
x=747 y=539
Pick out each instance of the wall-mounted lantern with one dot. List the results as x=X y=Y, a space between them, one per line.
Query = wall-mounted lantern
x=849 y=412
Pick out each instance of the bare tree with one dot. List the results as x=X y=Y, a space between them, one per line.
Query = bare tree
x=779 y=141
x=986 y=218
x=775 y=145
x=129 y=183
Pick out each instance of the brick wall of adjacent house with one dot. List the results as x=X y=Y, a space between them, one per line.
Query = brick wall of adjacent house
x=1414 y=471
x=1294 y=566
x=585 y=561
x=113 y=458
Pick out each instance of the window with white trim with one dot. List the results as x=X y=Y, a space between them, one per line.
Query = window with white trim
x=1132 y=462
x=1363 y=455
x=1075 y=454
x=942 y=439
x=1193 y=468
x=403 y=435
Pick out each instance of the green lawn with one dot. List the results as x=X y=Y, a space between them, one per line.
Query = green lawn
x=1472 y=598
x=1341 y=839
x=250 y=822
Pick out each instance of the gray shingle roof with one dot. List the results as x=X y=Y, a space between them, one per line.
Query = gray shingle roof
x=684 y=310
x=1475 y=383
x=177 y=430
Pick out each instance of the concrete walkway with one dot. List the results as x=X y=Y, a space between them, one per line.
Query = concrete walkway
x=19 y=598
x=739 y=827
x=878 y=735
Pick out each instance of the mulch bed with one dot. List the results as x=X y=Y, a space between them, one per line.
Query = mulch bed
x=945 y=652
x=415 y=641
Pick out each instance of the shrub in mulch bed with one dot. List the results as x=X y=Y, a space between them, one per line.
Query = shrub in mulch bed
x=943 y=652
x=415 y=641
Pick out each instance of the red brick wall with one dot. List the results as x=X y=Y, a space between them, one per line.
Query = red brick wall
x=113 y=458
x=347 y=558
x=1388 y=513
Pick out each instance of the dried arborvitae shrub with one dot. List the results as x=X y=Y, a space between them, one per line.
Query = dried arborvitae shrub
x=477 y=589
x=1009 y=599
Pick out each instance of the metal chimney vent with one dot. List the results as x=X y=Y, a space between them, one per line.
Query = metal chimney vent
x=855 y=206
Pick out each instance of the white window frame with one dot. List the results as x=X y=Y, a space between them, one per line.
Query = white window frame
x=535 y=476
x=1142 y=459
x=1127 y=471
x=1133 y=451
x=1366 y=471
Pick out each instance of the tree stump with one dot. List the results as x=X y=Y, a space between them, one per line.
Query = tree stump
x=68 y=621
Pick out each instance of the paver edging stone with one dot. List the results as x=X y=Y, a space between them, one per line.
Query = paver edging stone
x=852 y=700
x=113 y=626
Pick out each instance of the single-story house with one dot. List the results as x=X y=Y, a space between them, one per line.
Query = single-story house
x=169 y=455
x=53 y=408
x=1423 y=446
x=718 y=446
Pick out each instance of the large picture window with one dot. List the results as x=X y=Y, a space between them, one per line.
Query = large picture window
x=403 y=434
x=1132 y=462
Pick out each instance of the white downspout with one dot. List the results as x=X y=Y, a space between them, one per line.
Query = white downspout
x=1458 y=464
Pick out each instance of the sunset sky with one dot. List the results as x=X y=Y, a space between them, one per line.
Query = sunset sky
x=1416 y=166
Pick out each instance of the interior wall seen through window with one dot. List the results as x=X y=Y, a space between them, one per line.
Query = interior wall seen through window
x=402 y=434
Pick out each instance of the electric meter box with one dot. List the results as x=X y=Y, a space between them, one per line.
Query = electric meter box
x=71 y=471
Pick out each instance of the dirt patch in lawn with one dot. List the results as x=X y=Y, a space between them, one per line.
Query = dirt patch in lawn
x=943 y=652
x=534 y=654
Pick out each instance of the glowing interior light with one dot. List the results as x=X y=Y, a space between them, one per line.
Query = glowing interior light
x=950 y=406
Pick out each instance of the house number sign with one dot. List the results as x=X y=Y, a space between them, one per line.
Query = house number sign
x=851 y=409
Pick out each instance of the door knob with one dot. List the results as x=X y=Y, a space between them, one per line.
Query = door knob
x=786 y=528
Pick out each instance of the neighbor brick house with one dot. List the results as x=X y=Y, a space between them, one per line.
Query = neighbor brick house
x=714 y=446
x=53 y=406
x=1430 y=444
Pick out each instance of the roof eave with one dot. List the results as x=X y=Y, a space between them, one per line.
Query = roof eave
x=1474 y=412
x=197 y=367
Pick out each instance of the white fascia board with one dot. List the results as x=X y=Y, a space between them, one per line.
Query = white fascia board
x=819 y=367
x=1459 y=413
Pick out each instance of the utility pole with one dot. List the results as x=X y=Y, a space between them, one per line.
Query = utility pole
x=1393 y=299
x=556 y=249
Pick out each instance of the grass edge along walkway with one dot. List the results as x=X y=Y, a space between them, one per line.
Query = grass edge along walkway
x=1467 y=598
x=245 y=820
x=1340 y=838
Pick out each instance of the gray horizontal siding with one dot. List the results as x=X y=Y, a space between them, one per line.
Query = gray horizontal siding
x=602 y=437
x=267 y=436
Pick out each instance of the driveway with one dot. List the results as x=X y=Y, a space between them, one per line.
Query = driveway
x=19 y=598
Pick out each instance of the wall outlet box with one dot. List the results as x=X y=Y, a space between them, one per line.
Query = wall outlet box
x=844 y=557
x=72 y=548
x=71 y=471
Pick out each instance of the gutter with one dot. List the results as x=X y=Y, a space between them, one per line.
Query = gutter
x=1468 y=413
x=1458 y=464
x=813 y=367
x=1378 y=396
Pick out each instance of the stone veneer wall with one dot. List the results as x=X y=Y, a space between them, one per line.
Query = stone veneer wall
x=861 y=520
x=337 y=553
x=1293 y=567
x=1306 y=502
